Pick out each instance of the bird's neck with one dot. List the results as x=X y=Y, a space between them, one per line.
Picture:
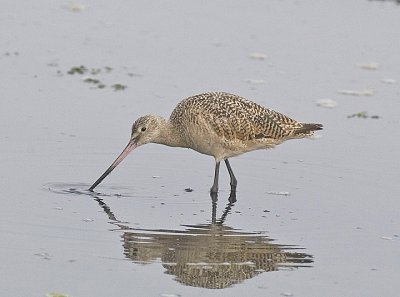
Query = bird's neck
x=170 y=135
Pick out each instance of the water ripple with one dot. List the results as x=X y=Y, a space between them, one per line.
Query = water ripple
x=82 y=189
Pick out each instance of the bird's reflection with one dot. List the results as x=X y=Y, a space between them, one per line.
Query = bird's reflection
x=211 y=255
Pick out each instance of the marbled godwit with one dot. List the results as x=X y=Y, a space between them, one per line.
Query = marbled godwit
x=218 y=124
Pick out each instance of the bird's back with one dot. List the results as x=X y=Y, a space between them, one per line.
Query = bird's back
x=222 y=121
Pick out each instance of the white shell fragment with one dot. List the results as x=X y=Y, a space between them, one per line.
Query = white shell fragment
x=74 y=7
x=88 y=220
x=279 y=193
x=258 y=56
x=255 y=81
x=365 y=92
x=369 y=66
x=326 y=102
x=57 y=294
x=389 y=81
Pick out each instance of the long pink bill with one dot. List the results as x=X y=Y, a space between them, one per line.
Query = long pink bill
x=131 y=145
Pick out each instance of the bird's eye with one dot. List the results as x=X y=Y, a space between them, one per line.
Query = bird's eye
x=143 y=129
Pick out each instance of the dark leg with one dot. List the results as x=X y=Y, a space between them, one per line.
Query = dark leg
x=233 y=178
x=214 y=212
x=232 y=196
x=214 y=188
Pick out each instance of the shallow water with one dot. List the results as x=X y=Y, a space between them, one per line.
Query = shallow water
x=210 y=255
x=322 y=215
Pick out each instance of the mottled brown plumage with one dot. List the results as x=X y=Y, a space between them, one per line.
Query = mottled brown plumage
x=218 y=124
x=225 y=125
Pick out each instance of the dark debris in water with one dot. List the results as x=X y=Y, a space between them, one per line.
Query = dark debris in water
x=119 y=87
x=9 y=54
x=97 y=71
x=96 y=82
x=77 y=70
x=83 y=70
x=362 y=115
x=91 y=80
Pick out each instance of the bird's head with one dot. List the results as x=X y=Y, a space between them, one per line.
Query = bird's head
x=146 y=129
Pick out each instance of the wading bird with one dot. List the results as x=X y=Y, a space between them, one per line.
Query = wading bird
x=218 y=124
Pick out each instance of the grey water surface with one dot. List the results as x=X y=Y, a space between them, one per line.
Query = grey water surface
x=313 y=217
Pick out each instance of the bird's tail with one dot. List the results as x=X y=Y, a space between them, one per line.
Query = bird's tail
x=307 y=129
